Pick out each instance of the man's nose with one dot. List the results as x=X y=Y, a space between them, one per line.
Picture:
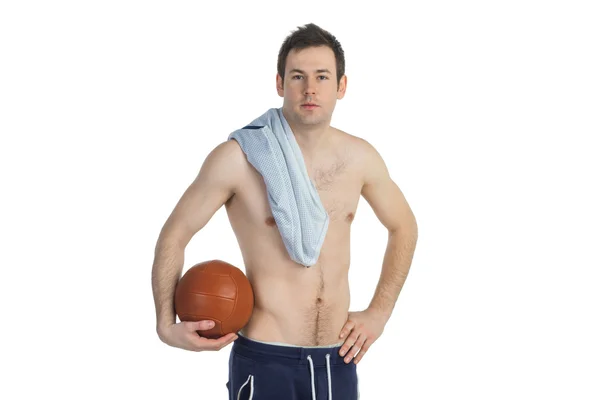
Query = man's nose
x=310 y=86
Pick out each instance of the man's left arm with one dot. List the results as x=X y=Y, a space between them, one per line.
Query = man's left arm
x=392 y=210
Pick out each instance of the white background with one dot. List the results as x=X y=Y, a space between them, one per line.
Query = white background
x=486 y=113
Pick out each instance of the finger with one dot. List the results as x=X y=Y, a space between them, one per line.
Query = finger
x=219 y=343
x=353 y=352
x=347 y=329
x=349 y=342
x=225 y=341
x=199 y=325
x=231 y=340
x=362 y=351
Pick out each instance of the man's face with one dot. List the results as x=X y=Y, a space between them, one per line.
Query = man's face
x=310 y=77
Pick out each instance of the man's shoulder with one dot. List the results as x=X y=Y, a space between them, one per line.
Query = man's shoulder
x=228 y=151
x=360 y=148
x=224 y=160
x=368 y=161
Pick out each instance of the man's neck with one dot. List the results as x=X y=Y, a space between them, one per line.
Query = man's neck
x=311 y=138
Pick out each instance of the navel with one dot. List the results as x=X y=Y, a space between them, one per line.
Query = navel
x=270 y=221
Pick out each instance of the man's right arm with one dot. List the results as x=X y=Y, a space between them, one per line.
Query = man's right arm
x=216 y=182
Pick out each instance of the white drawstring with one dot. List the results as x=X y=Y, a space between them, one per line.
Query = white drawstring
x=327 y=356
x=251 y=379
x=312 y=377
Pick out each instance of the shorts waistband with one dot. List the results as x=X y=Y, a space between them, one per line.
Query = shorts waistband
x=287 y=354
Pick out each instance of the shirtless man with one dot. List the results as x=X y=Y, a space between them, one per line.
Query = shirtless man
x=301 y=319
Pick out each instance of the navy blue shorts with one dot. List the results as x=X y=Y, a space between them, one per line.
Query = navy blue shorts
x=266 y=371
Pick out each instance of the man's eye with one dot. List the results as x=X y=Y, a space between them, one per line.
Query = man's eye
x=320 y=76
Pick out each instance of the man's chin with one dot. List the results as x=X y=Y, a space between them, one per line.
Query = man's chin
x=311 y=120
x=304 y=118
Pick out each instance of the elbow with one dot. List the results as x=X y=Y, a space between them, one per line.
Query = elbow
x=408 y=228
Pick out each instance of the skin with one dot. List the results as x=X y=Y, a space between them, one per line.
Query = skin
x=294 y=304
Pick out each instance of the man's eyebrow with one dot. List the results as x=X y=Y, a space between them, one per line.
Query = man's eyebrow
x=319 y=71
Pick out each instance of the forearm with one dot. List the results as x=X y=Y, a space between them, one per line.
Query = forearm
x=166 y=271
x=396 y=264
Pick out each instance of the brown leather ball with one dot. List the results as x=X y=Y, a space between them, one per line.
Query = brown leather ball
x=218 y=291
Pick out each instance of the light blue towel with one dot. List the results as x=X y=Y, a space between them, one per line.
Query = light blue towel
x=271 y=147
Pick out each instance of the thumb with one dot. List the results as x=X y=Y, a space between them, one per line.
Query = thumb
x=202 y=325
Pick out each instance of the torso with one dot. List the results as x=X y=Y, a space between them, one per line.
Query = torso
x=295 y=304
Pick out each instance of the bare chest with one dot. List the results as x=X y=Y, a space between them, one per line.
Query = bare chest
x=338 y=185
x=337 y=182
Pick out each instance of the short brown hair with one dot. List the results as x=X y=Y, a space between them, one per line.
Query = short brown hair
x=311 y=35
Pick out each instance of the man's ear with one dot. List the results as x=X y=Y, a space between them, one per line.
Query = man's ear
x=341 y=92
x=279 y=83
